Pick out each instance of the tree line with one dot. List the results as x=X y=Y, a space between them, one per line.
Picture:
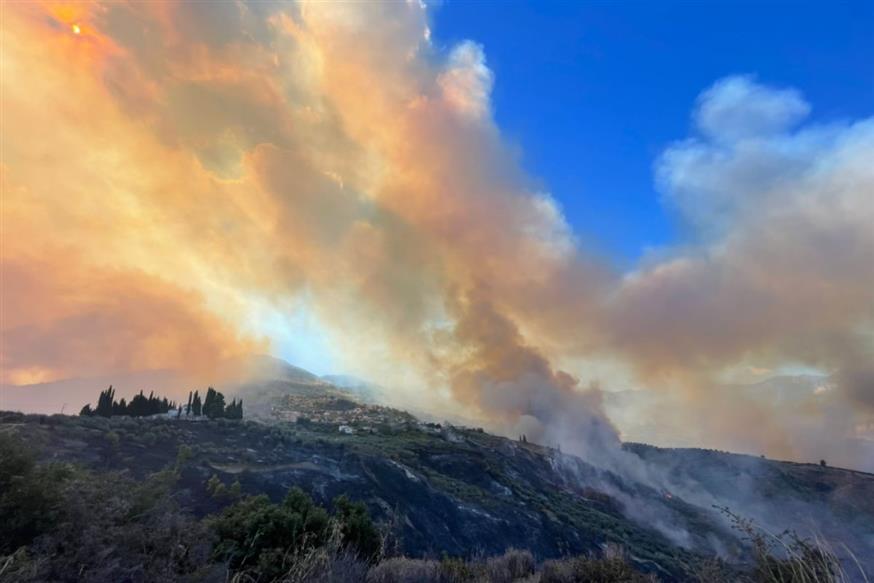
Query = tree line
x=212 y=406
x=139 y=406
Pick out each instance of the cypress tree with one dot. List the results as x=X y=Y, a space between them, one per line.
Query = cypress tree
x=138 y=406
x=207 y=402
x=120 y=407
x=104 y=402
x=214 y=406
x=218 y=405
x=196 y=405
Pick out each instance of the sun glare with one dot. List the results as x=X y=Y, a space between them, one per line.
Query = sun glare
x=76 y=29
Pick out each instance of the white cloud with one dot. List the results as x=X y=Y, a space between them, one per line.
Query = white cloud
x=737 y=108
x=467 y=81
x=750 y=157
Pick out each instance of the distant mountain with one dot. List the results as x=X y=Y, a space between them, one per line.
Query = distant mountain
x=263 y=367
x=801 y=408
x=786 y=389
x=69 y=395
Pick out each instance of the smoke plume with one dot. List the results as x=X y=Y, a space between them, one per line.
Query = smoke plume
x=172 y=169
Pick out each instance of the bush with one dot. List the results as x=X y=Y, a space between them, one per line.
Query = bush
x=216 y=488
x=102 y=527
x=331 y=563
x=356 y=529
x=404 y=570
x=255 y=533
x=455 y=570
x=591 y=570
x=269 y=541
x=120 y=530
x=29 y=500
x=514 y=565
x=511 y=566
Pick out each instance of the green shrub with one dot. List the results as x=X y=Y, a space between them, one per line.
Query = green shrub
x=357 y=529
x=93 y=527
x=257 y=533
x=216 y=487
x=267 y=541
x=29 y=499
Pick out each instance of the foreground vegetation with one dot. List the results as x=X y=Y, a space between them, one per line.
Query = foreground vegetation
x=64 y=523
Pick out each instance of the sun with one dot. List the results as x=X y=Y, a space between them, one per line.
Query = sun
x=77 y=29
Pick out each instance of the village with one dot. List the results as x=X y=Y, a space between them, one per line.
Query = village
x=347 y=415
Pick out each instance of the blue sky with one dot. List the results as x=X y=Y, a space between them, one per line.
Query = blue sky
x=592 y=92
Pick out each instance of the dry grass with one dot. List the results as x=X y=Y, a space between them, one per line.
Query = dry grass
x=788 y=558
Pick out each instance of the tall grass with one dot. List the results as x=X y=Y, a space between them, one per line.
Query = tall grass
x=788 y=558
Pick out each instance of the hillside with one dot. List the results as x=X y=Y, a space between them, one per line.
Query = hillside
x=442 y=490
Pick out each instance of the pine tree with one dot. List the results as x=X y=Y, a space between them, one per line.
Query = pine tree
x=188 y=407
